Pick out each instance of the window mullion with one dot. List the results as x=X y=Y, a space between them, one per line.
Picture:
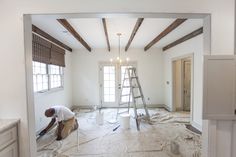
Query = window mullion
x=49 y=77
x=62 y=76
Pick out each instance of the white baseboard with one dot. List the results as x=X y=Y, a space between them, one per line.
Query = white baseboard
x=167 y=108
x=155 y=105
x=148 y=105
x=82 y=107
x=196 y=125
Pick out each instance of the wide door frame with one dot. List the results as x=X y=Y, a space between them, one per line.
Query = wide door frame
x=191 y=57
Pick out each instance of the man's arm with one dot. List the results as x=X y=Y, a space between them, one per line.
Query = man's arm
x=60 y=127
x=44 y=131
x=51 y=124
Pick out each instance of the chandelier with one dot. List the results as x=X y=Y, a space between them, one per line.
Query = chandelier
x=118 y=58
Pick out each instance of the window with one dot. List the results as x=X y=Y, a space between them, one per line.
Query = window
x=56 y=74
x=46 y=77
x=40 y=76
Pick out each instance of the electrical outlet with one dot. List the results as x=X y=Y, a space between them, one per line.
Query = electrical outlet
x=148 y=99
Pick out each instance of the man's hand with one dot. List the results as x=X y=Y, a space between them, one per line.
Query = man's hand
x=43 y=132
x=59 y=138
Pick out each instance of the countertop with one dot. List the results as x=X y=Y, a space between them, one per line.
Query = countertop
x=7 y=123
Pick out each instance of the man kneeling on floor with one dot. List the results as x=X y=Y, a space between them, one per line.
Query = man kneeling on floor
x=65 y=118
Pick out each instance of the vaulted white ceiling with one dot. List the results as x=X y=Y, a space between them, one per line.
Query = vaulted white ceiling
x=91 y=30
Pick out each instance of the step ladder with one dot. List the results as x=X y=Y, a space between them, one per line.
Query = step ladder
x=134 y=88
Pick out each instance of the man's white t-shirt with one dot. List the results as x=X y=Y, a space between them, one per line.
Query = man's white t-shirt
x=62 y=113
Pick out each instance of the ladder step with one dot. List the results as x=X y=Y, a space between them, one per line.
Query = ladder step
x=125 y=86
x=134 y=77
x=126 y=95
x=130 y=86
x=142 y=117
x=136 y=97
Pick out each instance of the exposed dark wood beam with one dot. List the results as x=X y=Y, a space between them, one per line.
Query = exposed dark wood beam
x=183 y=39
x=136 y=27
x=40 y=32
x=106 y=34
x=169 y=29
x=68 y=26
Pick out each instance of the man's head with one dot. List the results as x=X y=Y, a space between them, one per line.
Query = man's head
x=49 y=112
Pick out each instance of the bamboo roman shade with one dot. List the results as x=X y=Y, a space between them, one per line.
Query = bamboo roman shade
x=46 y=52
x=57 y=56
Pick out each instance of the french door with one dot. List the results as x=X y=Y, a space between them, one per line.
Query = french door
x=111 y=80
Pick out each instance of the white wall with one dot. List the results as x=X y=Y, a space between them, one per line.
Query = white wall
x=192 y=46
x=13 y=81
x=43 y=101
x=86 y=78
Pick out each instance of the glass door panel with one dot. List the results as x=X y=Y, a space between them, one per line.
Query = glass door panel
x=109 y=84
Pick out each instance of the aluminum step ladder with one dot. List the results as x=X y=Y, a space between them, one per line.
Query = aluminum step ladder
x=134 y=87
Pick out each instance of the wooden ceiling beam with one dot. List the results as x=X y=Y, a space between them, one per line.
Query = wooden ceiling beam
x=184 y=38
x=136 y=27
x=40 y=32
x=169 y=29
x=68 y=26
x=106 y=33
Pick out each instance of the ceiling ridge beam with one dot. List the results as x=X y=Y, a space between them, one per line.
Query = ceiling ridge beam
x=68 y=26
x=106 y=33
x=47 y=36
x=135 y=30
x=169 y=29
x=184 y=38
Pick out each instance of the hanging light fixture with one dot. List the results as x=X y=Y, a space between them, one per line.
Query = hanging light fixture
x=118 y=58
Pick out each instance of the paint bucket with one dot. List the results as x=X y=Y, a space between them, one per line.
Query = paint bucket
x=125 y=121
x=99 y=118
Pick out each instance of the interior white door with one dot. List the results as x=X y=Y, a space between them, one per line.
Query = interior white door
x=186 y=85
x=108 y=85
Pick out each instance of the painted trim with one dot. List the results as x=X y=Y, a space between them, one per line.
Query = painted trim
x=196 y=125
x=29 y=84
x=124 y=15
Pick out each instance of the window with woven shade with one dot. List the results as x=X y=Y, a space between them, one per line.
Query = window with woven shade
x=48 y=63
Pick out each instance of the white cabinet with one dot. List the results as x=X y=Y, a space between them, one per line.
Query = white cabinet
x=9 y=138
x=219 y=87
x=10 y=151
